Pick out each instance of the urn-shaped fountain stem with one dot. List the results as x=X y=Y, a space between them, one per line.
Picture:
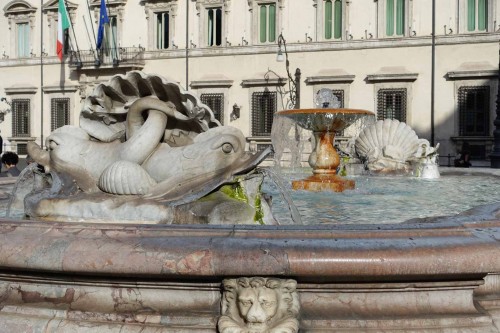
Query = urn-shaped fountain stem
x=324 y=159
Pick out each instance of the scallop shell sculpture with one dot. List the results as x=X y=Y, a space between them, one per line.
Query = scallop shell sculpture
x=388 y=145
x=104 y=112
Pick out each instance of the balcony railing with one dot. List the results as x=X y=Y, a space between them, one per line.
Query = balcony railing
x=107 y=57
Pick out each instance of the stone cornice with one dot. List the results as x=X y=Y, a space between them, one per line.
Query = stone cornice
x=263 y=82
x=57 y=88
x=21 y=90
x=311 y=80
x=392 y=77
x=211 y=84
x=472 y=74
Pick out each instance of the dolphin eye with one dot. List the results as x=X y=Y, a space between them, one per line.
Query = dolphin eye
x=227 y=147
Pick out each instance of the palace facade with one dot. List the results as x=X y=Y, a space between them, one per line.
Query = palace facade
x=374 y=54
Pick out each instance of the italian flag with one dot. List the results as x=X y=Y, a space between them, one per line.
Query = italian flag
x=62 y=24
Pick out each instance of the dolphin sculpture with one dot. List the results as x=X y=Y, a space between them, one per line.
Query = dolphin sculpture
x=143 y=164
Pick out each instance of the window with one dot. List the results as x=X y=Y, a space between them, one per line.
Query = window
x=51 y=9
x=111 y=34
x=21 y=20
x=59 y=109
x=162 y=30
x=267 y=23
x=477 y=15
x=23 y=40
x=391 y=104
x=263 y=108
x=474 y=110
x=333 y=19
x=214 y=29
x=21 y=117
x=216 y=103
x=395 y=18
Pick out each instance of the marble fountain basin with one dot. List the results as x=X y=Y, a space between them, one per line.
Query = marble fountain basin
x=414 y=277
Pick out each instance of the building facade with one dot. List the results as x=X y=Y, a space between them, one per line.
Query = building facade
x=374 y=54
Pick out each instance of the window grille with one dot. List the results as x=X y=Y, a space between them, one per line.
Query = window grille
x=216 y=103
x=267 y=23
x=214 y=37
x=474 y=110
x=333 y=19
x=391 y=104
x=162 y=25
x=263 y=109
x=21 y=117
x=59 y=111
x=22 y=149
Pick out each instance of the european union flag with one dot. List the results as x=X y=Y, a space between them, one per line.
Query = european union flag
x=103 y=19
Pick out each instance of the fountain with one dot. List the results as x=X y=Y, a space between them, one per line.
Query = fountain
x=439 y=275
x=324 y=123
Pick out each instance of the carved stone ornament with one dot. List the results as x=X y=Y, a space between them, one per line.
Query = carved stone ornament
x=259 y=305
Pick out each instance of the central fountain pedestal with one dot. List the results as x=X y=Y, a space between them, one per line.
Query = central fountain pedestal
x=324 y=158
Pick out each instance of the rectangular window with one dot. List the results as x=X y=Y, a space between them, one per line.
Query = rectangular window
x=214 y=29
x=477 y=15
x=391 y=104
x=395 y=17
x=111 y=37
x=59 y=112
x=21 y=117
x=216 y=103
x=333 y=19
x=474 y=110
x=23 y=40
x=267 y=23
x=162 y=35
x=263 y=108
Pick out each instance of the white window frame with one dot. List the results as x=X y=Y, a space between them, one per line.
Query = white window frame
x=202 y=7
x=382 y=17
x=19 y=12
x=462 y=17
x=115 y=8
x=51 y=10
x=254 y=9
x=320 y=21
x=152 y=8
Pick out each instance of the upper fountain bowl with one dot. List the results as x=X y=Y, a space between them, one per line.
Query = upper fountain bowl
x=324 y=119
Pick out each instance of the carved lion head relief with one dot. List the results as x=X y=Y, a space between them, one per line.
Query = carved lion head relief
x=259 y=305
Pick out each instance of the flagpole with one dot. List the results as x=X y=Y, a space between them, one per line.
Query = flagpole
x=187 y=45
x=79 y=64
x=41 y=74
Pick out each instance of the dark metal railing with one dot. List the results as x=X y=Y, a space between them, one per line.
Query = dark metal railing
x=115 y=57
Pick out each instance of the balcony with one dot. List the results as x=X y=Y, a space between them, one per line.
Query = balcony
x=121 y=57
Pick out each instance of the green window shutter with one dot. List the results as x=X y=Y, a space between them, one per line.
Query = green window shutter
x=471 y=15
x=328 y=19
x=272 y=23
x=482 y=15
x=263 y=23
x=400 y=17
x=337 y=34
x=210 y=27
x=389 y=18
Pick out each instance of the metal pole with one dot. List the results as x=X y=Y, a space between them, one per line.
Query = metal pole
x=41 y=74
x=495 y=154
x=433 y=68
x=187 y=45
x=298 y=74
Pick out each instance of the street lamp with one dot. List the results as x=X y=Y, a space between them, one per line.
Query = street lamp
x=293 y=83
x=495 y=154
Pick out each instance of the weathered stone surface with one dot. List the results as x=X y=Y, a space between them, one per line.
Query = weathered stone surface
x=85 y=277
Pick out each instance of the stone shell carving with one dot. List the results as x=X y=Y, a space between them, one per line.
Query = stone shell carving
x=251 y=305
x=104 y=112
x=387 y=145
x=124 y=177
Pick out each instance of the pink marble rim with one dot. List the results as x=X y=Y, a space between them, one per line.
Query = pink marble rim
x=319 y=111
